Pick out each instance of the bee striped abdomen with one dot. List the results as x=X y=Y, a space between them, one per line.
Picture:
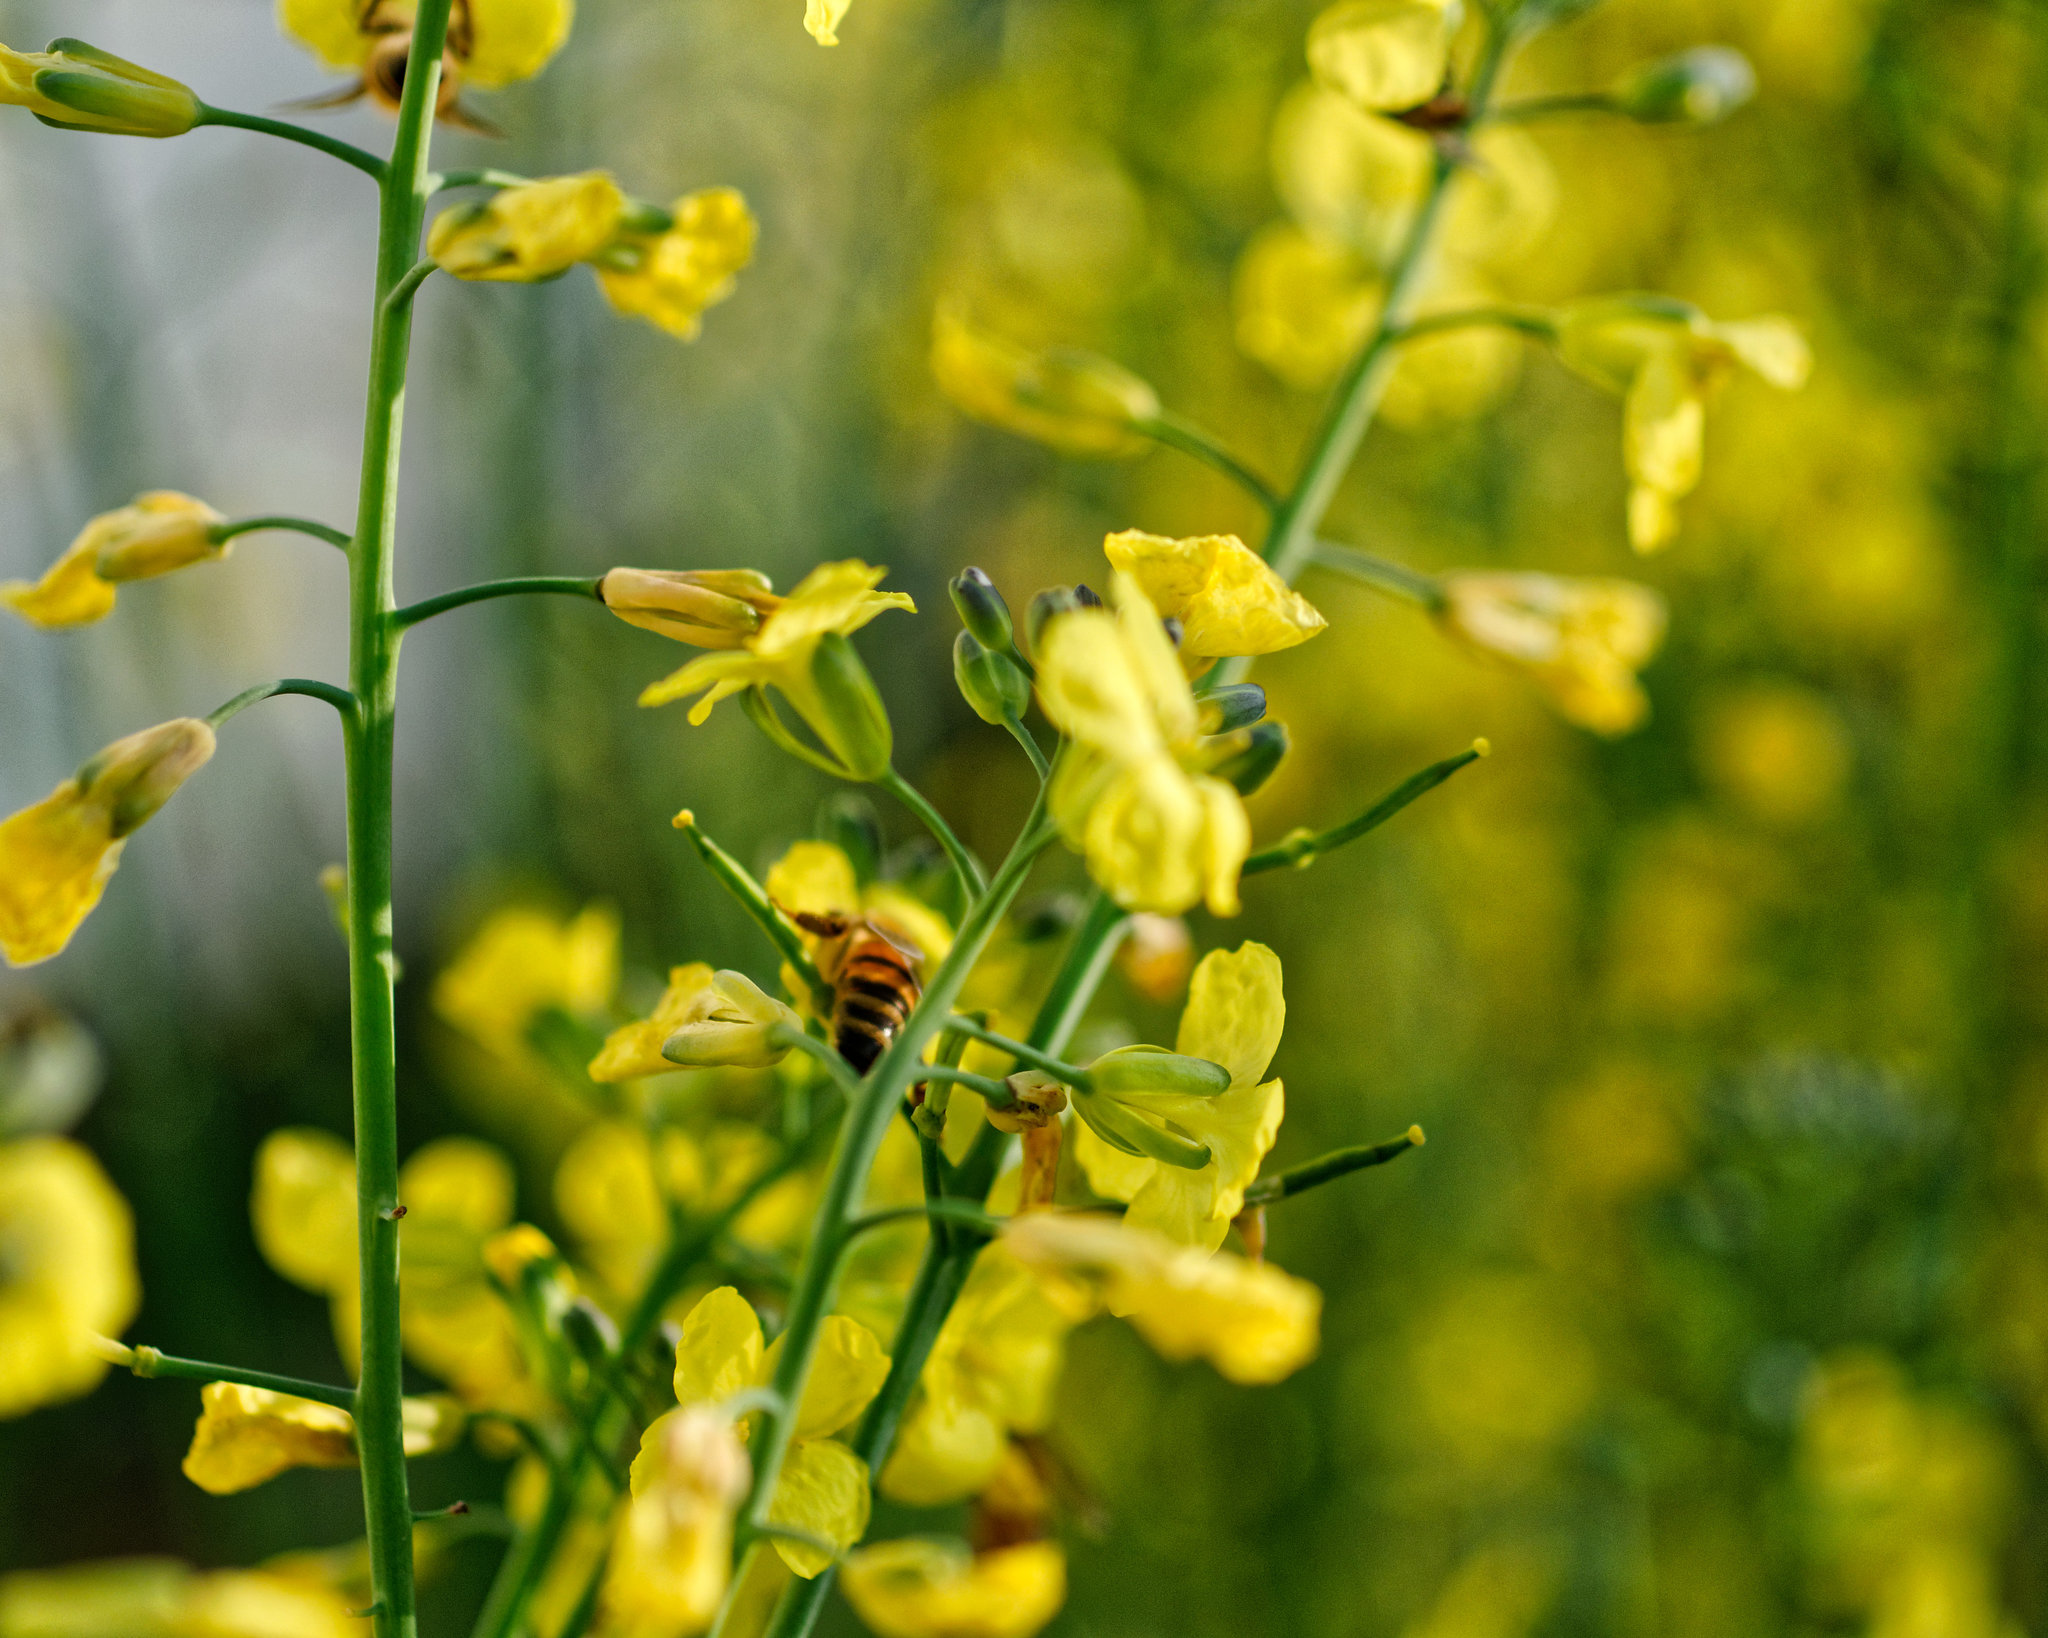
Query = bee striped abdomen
x=876 y=990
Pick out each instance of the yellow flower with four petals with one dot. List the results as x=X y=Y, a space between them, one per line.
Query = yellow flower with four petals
x=156 y=533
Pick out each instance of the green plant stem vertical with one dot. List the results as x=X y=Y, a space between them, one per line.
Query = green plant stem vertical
x=373 y=675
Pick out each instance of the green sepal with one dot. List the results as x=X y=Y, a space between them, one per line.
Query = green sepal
x=856 y=725
x=1133 y=1135
x=1154 y=1069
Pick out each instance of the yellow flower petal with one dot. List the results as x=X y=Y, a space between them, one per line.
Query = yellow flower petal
x=1227 y=598
x=672 y=1556
x=1074 y=402
x=634 y=1050
x=823 y=1491
x=822 y=19
x=514 y=39
x=1383 y=54
x=947 y=1449
x=459 y=1182
x=247 y=1435
x=814 y=878
x=671 y=278
x=55 y=861
x=847 y=1371
x=1235 y=1012
x=1581 y=641
x=303 y=1207
x=521 y=962
x=533 y=231
x=720 y=1350
x=331 y=29
x=70 y=593
x=930 y=1589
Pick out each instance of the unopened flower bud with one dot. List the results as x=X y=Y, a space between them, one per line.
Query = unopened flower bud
x=982 y=610
x=161 y=532
x=1233 y=706
x=79 y=85
x=991 y=682
x=849 y=715
x=1052 y=602
x=711 y=608
x=1072 y=401
x=1698 y=87
x=1153 y=1069
x=1255 y=754
x=1037 y=1100
x=135 y=776
x=732 y=1025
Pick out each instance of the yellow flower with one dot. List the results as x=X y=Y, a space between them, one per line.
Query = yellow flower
x=934 y=1589
x=1580 y=641
x=1071 y=401
x=303 y=1210
x=79 y=85
x=1303 y=307
x=248 y=1436
x=818 y=879
x=672 y=1557
x=155 y=534
x=159 y=1598
x=834 y=599
x=669 y=278
x=822 y=19
x=67 y=1271
x=1226 y=597
x=634 y=1049
x=1667 y=360
x=56 y=857
x=1384 y=55
x=823 y=1488
x=992 y=1373
x=536 y=230
x=1234 y=1016
x=1254 y=1323
x=521 y=963
x=491 y=43
x=711 y=608
x=1132 y=792
x=732 y=1025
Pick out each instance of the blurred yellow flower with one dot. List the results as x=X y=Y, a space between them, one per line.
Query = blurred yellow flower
x=1253 y=1322
x=1132 y=792
x=822 y=19
x=1072 y=401
x=1303 y=307
x=1226 y=597
x=491 y=43
x=672 y=1556
x=535 y=230
x=79 y=85
x=1580 y=641
x=303 y=1210
x=633 y=1050
x=56 y=857
x=710 y=608
x=1500 y=1372
x=670 y=277
x=1384 y=55
x=523 y=962
x=992 y=1372
x=67 y=1271
x=160 y=1598
x=917 y=1588
x=1234 y=1017
x=1667 y=360
x=247 y=1436
x=1778 y=751
x=823 y=1488
x=154 y=534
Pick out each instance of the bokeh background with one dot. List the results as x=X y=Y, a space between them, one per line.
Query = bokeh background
x=1717 y=1303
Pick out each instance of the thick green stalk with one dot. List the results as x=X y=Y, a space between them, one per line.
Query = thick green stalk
x=373 y=678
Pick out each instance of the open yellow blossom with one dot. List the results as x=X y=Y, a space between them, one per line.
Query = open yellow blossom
x=56 y=857
x=535 y=230
x=1072 y=401
x=1253 y=1322
x=935 y=1589
x=1667 y=360
x=1302 y=306
x=633 y=1050
x=672 y=1556
x=154 y=534
x=833 y=599
x=1580 y=641
x=823 y=1488
x=710 y=608
x=822 y=19
x=491 y=43
x=80 y=85
x=1226 y=597
x=992 y=1373
x=817 y=878
x=160 y=1598
x=734 y=1024
x=1234 y=1017
x=670 y=277
x=1384 y=55
x=1132 y=792
x=521 y=963
x=247 y=1436
x=67 y=1271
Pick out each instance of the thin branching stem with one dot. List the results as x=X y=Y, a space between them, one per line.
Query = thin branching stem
x=527 y=585
x=347 y=152
x=222 y=532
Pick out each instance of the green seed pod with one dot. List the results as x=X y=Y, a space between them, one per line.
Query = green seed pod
x=983 y=611
x=1153 y=1069
x=989 y=682
x=850 y=719
x=1698 y=87
x=1134 y=1134
x=1255 y=755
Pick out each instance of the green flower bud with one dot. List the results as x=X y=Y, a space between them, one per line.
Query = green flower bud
x=850 y=718
x=848 y=821
x=991 y=683
x=1055 y=600
x=80 y=86
x=1154 y=1069
x=1253 y=757
x=1233 y=706
x=983 y=611
x=1696 y=87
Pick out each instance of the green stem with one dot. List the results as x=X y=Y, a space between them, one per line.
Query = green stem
x=826 y=1057
x=1532 y=108
x=403 y=292
x=1330 y=1167
x=144 y=1361
x=1380 y=573
x=753 y=898
x=1022 y=736
x=347 y=152
x=973 y=883
x=340 y=698
x=1189 y=439
x=947 y=1211
x=1530 y=321
x=1304 y=848
x=563 y=585
x=488 y=177
x=373 y=678
x=1021 y=1051
x=993 y=1092
x=222 y=532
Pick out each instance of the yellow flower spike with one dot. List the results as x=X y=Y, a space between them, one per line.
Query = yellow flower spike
x=520 y=963
x=68 y=1241
x=917 y=1588
x=1384 y=55
x=1226 y=597
x=1071 y=401
x=732 y=1025
x=710 y=608
x=1580 y=641
x=80 y=85
x=1254 y=1323
x=634 y=1050
x=156 y=533
x=672 y=1556
x=670 y=278
x=833 y=598
x=822 y=19
x=720 y=1351
x=1131 y=794
x=56 y=857
x=534 y=231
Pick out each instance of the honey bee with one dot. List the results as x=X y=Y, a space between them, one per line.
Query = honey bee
x=387 y=24
x=873 y=972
